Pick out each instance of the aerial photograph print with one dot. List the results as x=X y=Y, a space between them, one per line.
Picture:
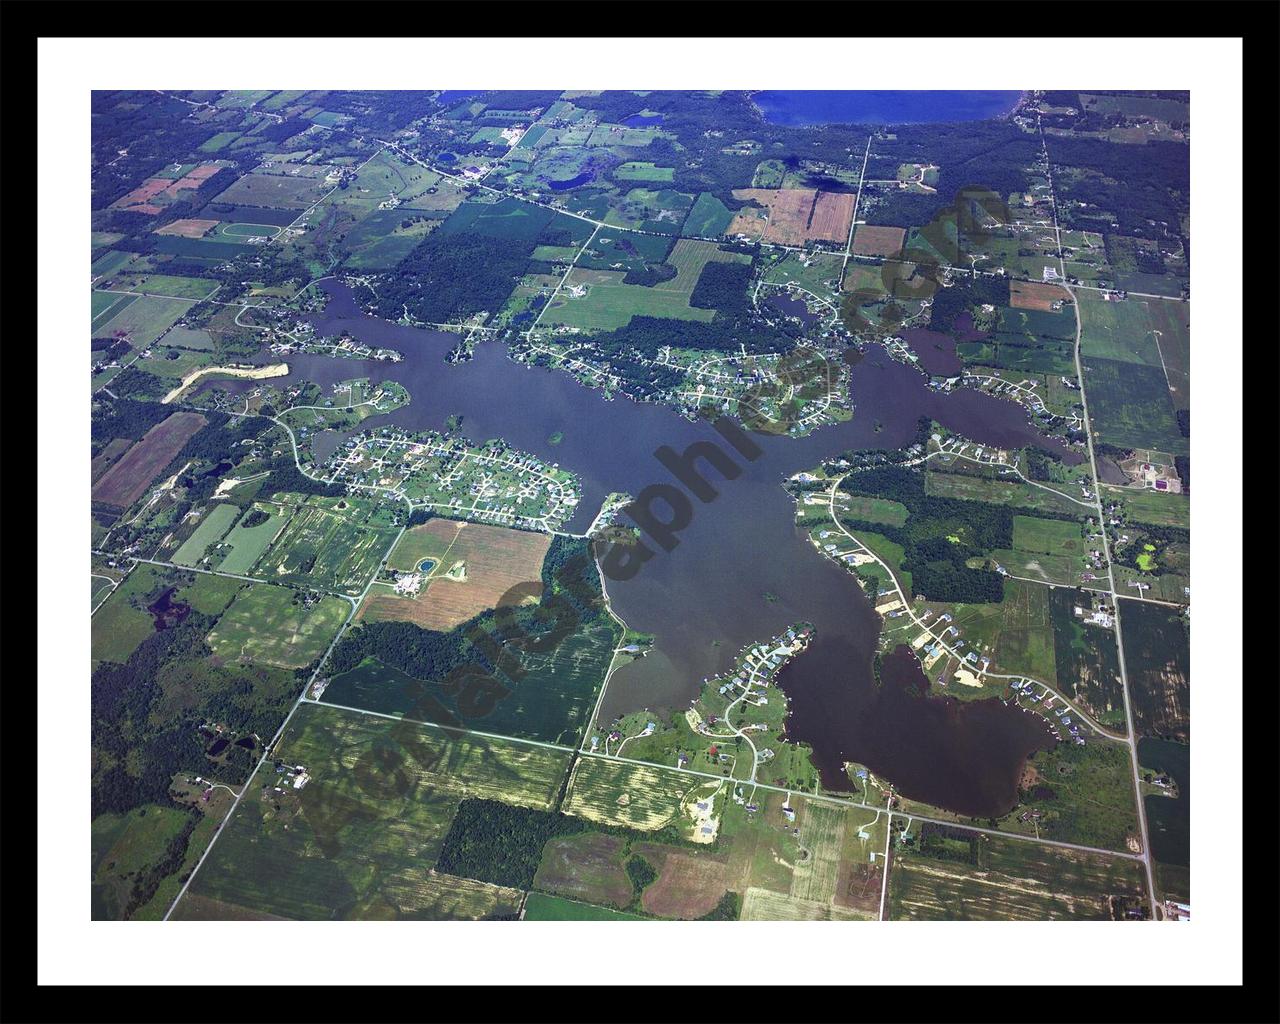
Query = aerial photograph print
x=571 y=505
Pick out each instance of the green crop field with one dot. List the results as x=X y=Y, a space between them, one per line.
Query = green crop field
x=1130 y=406
x=871 y=510
x=122 y=622
x=1119 y=330
x=245 y=545
x=640 y=171
x=273 y=625
x=208 y=594
x=1158 y=657
x=106 y=305
x=419 y=542
x=145 y=319
x=274 y=190
x=169 y=286
x=199 y=248
x=996 y=491
x=1050 y=536
x=609 y=303
x=185 y=337
x=635 y=796
x=551 y=701
x=541 y=907
x=111 y=263
x=1148 y=506
x=360 y=839
x=709 y=218
x=333 y=543
x=1088 y=667
x=510 y=218
x=213 y=527
x=972 y=876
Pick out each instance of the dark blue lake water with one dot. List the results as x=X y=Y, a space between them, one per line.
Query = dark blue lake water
x=814 y=106
x=574 y=182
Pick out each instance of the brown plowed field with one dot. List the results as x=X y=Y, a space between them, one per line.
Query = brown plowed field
x=125 y=482
x=832 y=215
x=187 y=228
x=870 y=240
x=496 y=559
x=1030 y=295
x=798 y=215
x=688 y=886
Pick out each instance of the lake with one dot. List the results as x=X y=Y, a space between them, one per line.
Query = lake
x=741 y=572
x=815 y=106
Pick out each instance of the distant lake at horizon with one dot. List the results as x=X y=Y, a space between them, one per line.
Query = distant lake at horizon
x=794 y=107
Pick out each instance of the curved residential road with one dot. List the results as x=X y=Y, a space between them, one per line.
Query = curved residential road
x=863 y=549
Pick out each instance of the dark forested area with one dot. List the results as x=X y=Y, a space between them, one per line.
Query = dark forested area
x=154 y=129
x=936 y=563
x=450 y=275
x=143 y=736
x=1141 y=187
x=992 y=155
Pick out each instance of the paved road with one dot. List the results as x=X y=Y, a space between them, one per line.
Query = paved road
x=1106 y=554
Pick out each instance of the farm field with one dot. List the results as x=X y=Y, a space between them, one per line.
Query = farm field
x=274 y=190
x=630 y=795
x=587 y=866
x=971 y=876
x=330 y=543
x=869 y=240
x=1157 y=655
x=510 y=218
x=541 y=907
x=354 y=845
x=106 y=305
x=164 y=285
x=973 y=487
x=607 y=303
x=143 y=321
x=798 y=215
x=244 y=545
x=1030 y=295
x=188 y=227
x=275 y=626
x=213 y=527
x=708 y=218
x=494 y=560
x=1131 y=407
x=130 y=476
